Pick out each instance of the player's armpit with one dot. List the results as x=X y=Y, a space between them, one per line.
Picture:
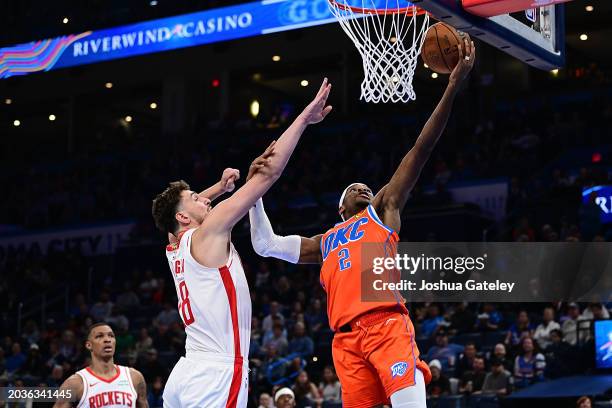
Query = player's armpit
x=141 y=388
x=310 y=250
x=73 y=384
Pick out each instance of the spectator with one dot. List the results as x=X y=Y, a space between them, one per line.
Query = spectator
x=329 y=388
x=445 y=352
x=519 y=330
x=102 y=309
x=57 y=376
x=490 y=319
x=570 y=324
x=278 y=341
x=265 y=401
x=274 y=313
x=595 y=311
x=168 y=316
x=284 y=398
x=316 y=317
x=144 y=343
x=127 y=301
x=155 y=393
x=529 y=365
x=439 y=384
x=148 y=285
x=559 y=356
x=542 y=333
x=16 y=359
x=124 y=339
x=462 y=320
x=583 y=402
x=306 y=393
x=34 y=366
x=151 y=367
x=472 y=381
x=466 y=359
x=274 y=368
x=432 y=320
x=30 y=332
x=301 y=344
x=499 y=353
x=498 y=381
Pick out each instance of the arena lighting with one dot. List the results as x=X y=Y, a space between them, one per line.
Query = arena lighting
x=215 y=83
x=554 y=72
x=393 y=40
x=153 y=3
x=315 y=359
x=596 y=157
x=52 y=117
x=257 y=76
x=128 y=119
x=584 y=37
x=426 y=66
x=589 y=8
x=16 y=123
x=254 y=108
x=434 y=75
x=65 y=20
x=108 y=85
x=8 y=101
x=153 y=105
x=276 y=58
x=304 y=82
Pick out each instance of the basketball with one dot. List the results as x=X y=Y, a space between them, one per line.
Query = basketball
x=440 y=51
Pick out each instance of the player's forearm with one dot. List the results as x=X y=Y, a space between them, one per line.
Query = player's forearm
x=266 y=243
x=286 y=145
x=212 y=192
x=436 y=123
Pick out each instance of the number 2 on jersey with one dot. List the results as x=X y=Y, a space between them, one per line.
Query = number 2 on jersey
x=343 y=259
x=185 y=305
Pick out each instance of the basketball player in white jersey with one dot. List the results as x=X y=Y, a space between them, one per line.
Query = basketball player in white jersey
x=213 y=295
x=104 y=384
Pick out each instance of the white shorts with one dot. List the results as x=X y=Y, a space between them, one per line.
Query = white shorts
x=207 y=380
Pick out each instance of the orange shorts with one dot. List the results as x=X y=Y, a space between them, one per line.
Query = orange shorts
x=376 y=358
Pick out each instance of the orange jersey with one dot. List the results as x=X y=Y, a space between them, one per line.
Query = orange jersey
x=343 y=253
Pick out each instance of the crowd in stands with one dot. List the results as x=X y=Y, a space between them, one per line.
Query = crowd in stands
x=473 y=350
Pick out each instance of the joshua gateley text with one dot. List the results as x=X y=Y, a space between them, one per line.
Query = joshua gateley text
x=470 y=285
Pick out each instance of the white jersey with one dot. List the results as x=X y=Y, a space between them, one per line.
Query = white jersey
x=214 y=303
x=112 y=393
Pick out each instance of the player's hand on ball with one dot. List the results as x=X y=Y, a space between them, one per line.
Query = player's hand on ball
x=317 y=110
x=228 y=179
x=465 y=64
x=260 y=164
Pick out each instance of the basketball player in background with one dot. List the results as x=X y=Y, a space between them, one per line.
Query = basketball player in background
x=104 y=384
x=374 y=351
x=213 y=295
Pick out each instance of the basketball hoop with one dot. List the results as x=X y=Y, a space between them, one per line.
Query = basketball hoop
x=389 y=39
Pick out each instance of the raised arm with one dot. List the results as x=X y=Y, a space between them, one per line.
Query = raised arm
x=291 y=248
x=72 y=390
x=390 y=201
x=227 y=213
x=225 y=185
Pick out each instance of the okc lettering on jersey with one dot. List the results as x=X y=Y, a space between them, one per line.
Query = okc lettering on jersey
x=349 y=233
x=109 y=398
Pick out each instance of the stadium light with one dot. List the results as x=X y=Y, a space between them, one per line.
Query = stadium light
x=128 y=118
x=65 y=20
x=8 y=101
x=108 y=85
x=254 y=108
x=589 y=8
x=52 y=117
x=215 y=83
x=426 y=66
x=153 y=105
x=153 y=3
x=276 y=58
x=584 y=37
x=304 y=82
x=554 y=72
x=315 y=359
x=16 y=123
x=434 y=75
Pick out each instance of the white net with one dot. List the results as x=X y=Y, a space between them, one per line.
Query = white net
x=389 y=43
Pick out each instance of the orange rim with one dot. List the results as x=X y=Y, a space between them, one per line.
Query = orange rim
x=410 y=11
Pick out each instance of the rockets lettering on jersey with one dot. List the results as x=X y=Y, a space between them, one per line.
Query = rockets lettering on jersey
x=110 y=398
x=348 y=250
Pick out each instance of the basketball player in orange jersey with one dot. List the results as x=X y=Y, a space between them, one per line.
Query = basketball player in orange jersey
x=374 y=350
x=103 y=383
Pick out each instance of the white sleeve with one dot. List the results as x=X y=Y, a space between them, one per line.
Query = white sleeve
x=268 y=244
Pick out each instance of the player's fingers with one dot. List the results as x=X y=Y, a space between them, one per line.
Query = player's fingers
x=473 y=55
x=468 y=48
x=322 y=88
x=460 y=50
x=325 y=94
x=326 y=111
x=270 y=148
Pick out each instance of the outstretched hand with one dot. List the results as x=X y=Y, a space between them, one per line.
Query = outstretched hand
x=260 y=164
x=317 y=110
x=466 y=62
x=228 y=179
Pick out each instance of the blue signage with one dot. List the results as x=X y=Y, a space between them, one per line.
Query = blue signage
x=603 y=199
x=205 y=27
